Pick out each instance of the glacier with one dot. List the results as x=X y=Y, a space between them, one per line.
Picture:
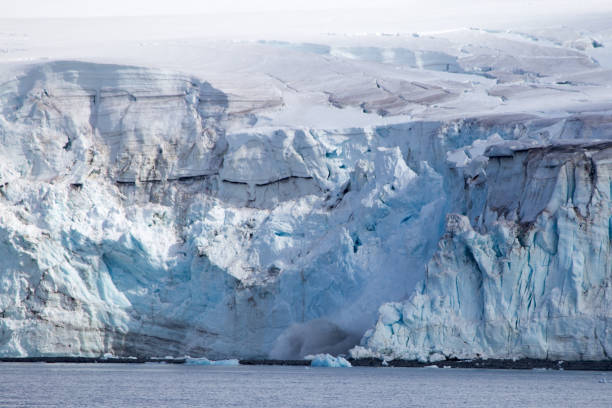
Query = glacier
x=202 y=245
x=525 y=273
x=262 y=199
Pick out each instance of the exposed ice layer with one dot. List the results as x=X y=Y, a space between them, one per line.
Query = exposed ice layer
x=327 y=360
x=526 y=273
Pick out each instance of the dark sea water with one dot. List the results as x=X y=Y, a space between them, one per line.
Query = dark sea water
x=161 y=385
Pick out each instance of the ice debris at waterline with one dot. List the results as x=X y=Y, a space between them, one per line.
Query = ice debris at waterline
x=327 y=360
x=203 y=361
x=226 y=203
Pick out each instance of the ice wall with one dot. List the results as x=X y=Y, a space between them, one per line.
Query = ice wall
x=526 y=273
x=132 y=222
x=147 y=212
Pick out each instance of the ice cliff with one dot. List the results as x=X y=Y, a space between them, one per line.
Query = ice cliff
x=132 y=222
x=263 y=199
x=525 y=273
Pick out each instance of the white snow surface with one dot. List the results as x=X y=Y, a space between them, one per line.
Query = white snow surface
x=263 y=197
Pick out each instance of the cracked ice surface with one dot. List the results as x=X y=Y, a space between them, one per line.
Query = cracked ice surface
x=224 y=203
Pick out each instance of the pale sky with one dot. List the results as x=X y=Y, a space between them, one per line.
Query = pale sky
x=98 y=8
x=89 y=8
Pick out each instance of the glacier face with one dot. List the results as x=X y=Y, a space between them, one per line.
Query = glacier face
x=526 y=273
x=122 y=237
x=269 y=201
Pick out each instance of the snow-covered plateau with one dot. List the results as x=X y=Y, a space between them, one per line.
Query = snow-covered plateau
x=263 y=198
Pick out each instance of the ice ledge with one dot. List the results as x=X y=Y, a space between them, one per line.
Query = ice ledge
x=510 y=148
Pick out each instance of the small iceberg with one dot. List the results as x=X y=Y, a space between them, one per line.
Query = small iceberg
x=327 y=360
x=206 y=362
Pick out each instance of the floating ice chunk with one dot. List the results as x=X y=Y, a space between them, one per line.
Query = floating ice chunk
x=327 y=360
x=206 y=362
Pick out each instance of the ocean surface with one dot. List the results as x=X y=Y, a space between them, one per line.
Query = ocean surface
x=165 y=385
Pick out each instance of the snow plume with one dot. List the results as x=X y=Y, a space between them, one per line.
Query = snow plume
x=315 y=336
